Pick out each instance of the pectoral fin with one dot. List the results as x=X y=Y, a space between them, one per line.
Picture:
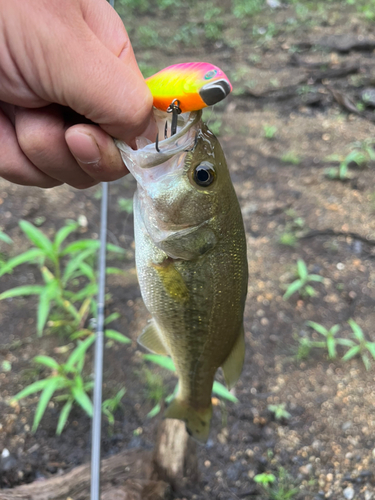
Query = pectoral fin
x=232 y=366
x=151 y=340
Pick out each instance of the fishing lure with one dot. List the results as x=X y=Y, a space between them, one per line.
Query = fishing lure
x=195 y=85
x=187 y=87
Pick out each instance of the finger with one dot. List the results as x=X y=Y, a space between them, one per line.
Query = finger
x=108 y=86
x=95 y=152
x=14 y=165
x=41 y=135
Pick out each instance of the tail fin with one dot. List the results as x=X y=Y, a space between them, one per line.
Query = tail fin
x=197 y=421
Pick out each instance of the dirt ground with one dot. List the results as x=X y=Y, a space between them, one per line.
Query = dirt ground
x=302 y=72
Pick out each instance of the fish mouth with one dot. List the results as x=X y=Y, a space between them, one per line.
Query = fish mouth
x=215 y=92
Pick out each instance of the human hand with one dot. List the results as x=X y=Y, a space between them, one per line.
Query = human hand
x=63 y=66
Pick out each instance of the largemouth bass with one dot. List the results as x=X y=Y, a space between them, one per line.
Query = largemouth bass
x=191 y=262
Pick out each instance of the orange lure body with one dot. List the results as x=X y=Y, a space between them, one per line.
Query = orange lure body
x=195 y=85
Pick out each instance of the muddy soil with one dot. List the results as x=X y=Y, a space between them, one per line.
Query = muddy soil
x=306 y=77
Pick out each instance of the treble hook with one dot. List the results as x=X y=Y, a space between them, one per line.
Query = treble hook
x=175 y=109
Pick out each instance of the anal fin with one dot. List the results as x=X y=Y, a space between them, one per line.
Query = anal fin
x=151 y=340
x=232 y=366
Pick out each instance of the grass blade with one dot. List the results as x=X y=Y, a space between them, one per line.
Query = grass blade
x=156 y=409
x=79 y=351
x=223 y=392
x=79 y=246
x=115 y=249
x=353 y=351
x=37 y=386
x=318 y=328
x=20 y=291
x=357 y=330
x=163 y=361
x=119 y=337
x=302 y=269
x=39 y=239
x=5 y=238
x=316 y=277
x=75 y=262
x=292 y=288
x=83 y=400
x=331 y=346
x=63 y=233
x=30 y=256
x=47 y=361
x=45 y=397
x=64 y=414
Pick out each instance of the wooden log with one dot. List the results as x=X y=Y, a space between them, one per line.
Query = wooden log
x=175 y=457
x=125 y=476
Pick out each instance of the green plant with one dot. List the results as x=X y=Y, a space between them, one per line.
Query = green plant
x=269 y=131
x=242 y=8
x=109 y=406
x=359 y=345
x=125 y=205
x=361 y=155
x=301 y=284
x=6 y=239
x=213 y=24
x=279 y=411
x=68 y=273
x=68 y=379
x=291 y=157
x=330 y=341
x=277 y=488
x=167 y=363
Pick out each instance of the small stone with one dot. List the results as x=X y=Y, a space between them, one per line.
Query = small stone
x=207 y=463
x=368 y=495
x=306 y=470
x=348 y=493
x=329 y=477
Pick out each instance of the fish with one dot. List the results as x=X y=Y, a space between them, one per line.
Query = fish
x=195 y=85
x=191 y=262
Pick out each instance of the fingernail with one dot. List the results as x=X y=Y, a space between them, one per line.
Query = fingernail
x=83 y=147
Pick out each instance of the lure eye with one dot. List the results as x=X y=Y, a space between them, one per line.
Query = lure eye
x=204 y=174
x=210 y=74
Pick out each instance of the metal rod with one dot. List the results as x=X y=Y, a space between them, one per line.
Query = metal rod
x=98 y=364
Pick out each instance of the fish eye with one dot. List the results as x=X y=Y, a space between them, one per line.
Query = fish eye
x=204 y=174
x=210 y=74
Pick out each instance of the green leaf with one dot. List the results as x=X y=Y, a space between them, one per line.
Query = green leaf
x=345 y=342
x=37 y=386
x=160 y=360
x=302 y=269
x=78 y=246
x=370 y=346
x=292 y=288
x=318 y=328
x=80 y=351
x=87 y=271
x=5 y=238
x=63 y=417
x=115 y=248
x=119 y=337
x=63 y=233
x=357 y=330
x=111 y=317
x=83 y=400
x=39 y=239
x=366 y=361
x=30 y=256
x=331 y=346
x=223 y=392
x=156 y=409
x=352 y=352
x=315 y=277
x=44 y=306
x=335 y=329
x=89 y=290
x=75 y=262
x=310 y=291
x=44 y=400
x=115 y=270
x=20 y=291
x=47 y=361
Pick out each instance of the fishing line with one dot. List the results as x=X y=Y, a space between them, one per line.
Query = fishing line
x=96 y=433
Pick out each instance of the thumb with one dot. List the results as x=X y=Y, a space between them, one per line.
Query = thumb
x=101 y=79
